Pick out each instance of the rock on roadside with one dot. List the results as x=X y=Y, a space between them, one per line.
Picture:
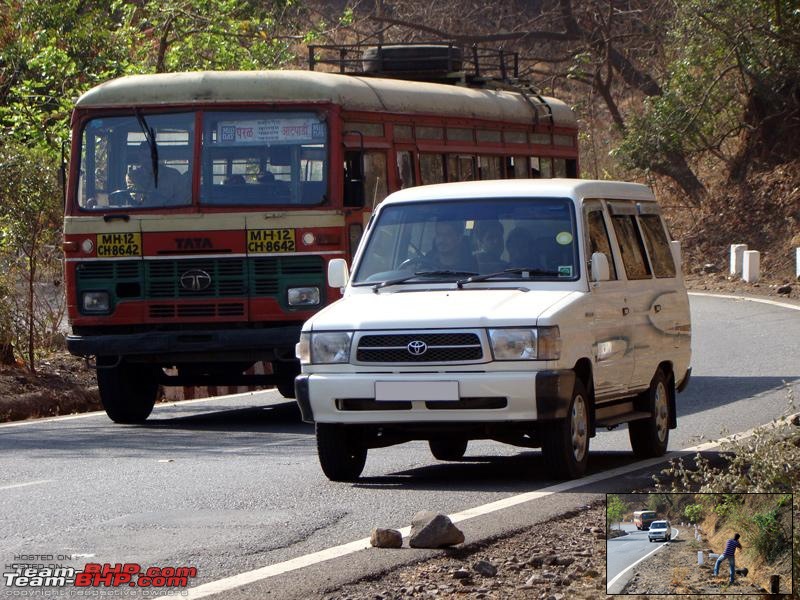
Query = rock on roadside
x=386 y=538
x=431 y=530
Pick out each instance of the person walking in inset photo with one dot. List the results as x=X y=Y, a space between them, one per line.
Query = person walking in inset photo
x=730 y=549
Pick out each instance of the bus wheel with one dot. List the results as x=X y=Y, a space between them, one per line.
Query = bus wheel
x=286 y=371
x=650 y=436
x=128 y=392
x=448 y=449
x=341 y=456
x=565 y=443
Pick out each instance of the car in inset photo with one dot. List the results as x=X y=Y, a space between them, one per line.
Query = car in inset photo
x=660 y=530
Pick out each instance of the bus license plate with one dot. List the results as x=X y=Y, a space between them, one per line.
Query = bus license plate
x=112 y=245
x=263 y=241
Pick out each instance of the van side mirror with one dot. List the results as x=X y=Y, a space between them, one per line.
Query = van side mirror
x=338 y=274
x=600 y=269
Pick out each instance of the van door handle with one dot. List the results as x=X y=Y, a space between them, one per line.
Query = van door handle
x=625 y=311
x=657 y=308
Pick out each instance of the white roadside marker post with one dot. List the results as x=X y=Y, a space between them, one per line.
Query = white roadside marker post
x=737 y=256
x=751 y=266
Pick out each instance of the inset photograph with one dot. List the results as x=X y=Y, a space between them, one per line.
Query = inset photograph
x=662 y=543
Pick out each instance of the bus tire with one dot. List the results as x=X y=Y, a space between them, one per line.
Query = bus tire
x=565 y=443
x=650 y=437
x=286 y=371
x=127 y=391
x=448 y=449
x=341 y=456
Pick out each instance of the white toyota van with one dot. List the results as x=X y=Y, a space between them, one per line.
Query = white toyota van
x=532 y=312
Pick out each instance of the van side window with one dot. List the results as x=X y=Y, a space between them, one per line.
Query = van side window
x=631 y=247
x=657 y=244
x=598 y=238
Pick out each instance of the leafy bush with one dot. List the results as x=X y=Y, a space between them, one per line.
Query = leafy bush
x=770 y=540
x=693 y=512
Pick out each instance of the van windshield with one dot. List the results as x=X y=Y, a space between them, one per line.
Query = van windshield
x=507 y=238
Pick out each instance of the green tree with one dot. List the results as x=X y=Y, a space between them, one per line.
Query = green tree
x=615 y=509
x=30 y=225
x=732 y=77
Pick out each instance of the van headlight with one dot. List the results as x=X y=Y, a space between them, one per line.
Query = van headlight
x=532 y=343
x=326 y=347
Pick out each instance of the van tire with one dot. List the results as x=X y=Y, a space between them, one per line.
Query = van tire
x=341 y=456
x=127 y=391
x=448 y=449
x=565 y=443
x=650 y=437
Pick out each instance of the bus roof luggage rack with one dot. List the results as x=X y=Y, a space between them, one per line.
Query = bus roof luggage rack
x=439 y=62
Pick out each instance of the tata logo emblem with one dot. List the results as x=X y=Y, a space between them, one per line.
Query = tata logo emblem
x=195 y=280
x=417 y=348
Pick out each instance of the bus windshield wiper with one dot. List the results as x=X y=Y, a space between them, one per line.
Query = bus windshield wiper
x=513 y=271
x=150 y=138
x=441 y=273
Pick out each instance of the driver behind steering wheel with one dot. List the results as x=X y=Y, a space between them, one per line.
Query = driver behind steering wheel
x=450 y=250
x=172 y=187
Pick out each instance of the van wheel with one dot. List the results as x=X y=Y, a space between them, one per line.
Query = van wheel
x=341 y=457
x=650 y=436
x=128 y=392
x=565 y=443
x=448 y=449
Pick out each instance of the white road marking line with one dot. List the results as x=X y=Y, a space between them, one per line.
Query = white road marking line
x=19 y=485
x=177 y=403
x=613 y=581
x=234 y=581
x=748 y=299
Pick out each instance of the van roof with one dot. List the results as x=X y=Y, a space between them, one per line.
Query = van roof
x=534 y=188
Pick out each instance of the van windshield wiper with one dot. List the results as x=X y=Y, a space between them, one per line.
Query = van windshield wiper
x=513 y=271
x=150 y=138
x=440 y=273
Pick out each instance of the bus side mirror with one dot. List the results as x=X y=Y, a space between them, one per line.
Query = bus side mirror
x=600 y=269
x=338 y=274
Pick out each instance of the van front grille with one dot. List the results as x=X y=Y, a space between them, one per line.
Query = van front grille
x=419 y=348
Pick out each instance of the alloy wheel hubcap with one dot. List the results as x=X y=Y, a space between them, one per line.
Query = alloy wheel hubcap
x=579 y=428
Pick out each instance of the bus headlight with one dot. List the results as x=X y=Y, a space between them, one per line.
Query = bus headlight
x=324 y=347
x=96 y=302
x=303 y=296
x=534 y=343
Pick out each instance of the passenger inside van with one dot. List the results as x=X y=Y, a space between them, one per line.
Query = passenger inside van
x=489 y=242
x=450 y=249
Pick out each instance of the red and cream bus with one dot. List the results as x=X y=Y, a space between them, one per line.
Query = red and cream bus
x=203 y=208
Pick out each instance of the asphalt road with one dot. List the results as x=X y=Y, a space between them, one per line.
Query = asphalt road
x=231 y=485
x=624 y=551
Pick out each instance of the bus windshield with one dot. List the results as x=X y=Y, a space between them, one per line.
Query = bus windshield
x=502 y=238
x=246 y=159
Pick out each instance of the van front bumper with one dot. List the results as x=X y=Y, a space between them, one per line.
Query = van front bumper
x=512 y=396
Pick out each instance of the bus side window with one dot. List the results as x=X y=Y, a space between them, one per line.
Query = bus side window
x=431 y=168
x=489 y=167
x=405 y=169
x=374 y=178
x=461 y=167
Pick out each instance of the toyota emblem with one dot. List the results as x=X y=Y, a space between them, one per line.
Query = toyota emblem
x=417 y=348
x=195 y=280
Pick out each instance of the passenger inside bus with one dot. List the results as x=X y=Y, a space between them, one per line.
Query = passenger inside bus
x=169 y=188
